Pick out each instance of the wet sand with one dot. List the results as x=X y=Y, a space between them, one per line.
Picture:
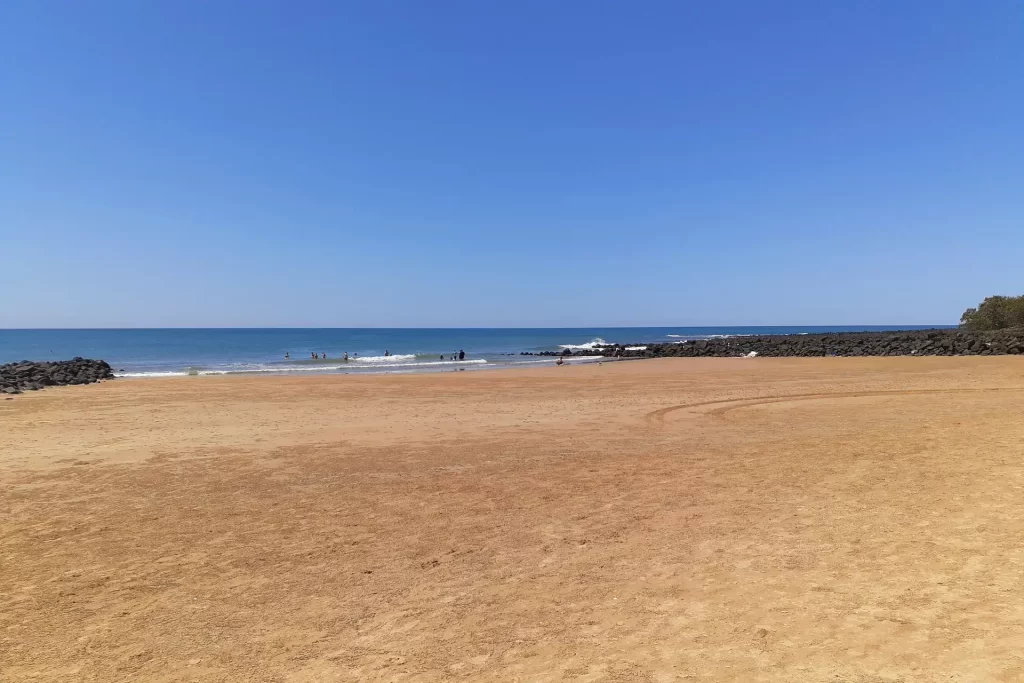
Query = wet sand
x=854 y=520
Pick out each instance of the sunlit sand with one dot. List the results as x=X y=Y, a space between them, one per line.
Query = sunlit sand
x=670 y=520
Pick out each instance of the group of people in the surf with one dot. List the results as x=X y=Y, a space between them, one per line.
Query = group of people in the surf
x=323 y=356
x=456 y=355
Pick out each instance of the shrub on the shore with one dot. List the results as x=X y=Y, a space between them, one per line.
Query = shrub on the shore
x=995 y=313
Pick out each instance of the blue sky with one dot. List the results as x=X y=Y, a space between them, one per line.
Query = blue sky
x=508 y=164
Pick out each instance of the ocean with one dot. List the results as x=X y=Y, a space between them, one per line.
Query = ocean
x=170 y=352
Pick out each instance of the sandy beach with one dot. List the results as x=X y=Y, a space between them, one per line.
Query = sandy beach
x=854 y=520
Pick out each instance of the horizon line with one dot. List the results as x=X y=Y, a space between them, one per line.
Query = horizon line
x=570 y=327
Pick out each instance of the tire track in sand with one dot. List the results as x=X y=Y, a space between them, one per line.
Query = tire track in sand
x=656 y=418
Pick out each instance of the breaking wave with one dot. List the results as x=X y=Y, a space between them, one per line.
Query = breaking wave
x=592 y=344
x=394 y=358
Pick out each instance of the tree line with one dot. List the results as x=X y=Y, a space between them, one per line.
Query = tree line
x=995 y=313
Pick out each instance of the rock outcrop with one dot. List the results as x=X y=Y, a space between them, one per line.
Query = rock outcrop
x=29 y=376
x=936 y=342
x=952 y=342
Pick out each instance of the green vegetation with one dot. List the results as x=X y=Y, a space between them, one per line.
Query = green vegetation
x=995 y=313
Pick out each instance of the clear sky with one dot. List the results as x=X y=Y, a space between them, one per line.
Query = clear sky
x=527 y=163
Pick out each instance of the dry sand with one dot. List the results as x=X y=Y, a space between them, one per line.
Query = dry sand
x=856 y=520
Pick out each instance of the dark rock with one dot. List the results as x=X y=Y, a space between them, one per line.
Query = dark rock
x=900 y=343
x=26 y=375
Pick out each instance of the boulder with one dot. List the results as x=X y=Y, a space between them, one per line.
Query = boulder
x=29 y=376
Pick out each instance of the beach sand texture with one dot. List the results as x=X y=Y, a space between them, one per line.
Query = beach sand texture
x=847 y=520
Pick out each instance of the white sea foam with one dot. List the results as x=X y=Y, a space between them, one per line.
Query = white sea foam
x=356 y=368
x=183 y=373
x=421 y=364
x=703 y=336
x=394 y=358
x=592 y=344
x=290 y=368
x=636 y=348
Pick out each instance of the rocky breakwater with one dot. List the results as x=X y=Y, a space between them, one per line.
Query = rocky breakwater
x=29 y=376
x=952 y=342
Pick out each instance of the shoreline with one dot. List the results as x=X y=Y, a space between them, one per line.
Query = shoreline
x=273 y=349
x=568 y=374
x=15 y=377
x=477 y=369
x=470 y=365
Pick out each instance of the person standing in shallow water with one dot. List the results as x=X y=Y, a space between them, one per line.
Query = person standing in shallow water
x=462 y=355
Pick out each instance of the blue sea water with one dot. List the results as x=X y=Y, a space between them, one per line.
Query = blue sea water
x=169 y=352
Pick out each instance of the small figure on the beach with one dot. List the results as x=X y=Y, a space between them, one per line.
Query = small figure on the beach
x=559 y=361
x=462 y=355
